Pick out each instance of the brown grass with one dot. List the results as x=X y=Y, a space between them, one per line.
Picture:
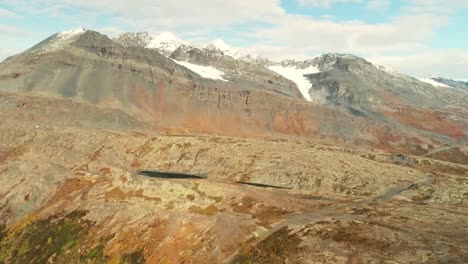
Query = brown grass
x=118 y=194
x=245 y=206
x=267 y=215
x=210 y=210
x=278 y=248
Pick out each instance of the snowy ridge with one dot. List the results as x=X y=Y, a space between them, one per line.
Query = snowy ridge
x=168 y=42
x=297 y=75
x=65 y=35
x=204 y=71
x=63 y=38
x=433 y=82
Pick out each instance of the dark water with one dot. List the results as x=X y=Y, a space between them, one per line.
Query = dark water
x=169 y=175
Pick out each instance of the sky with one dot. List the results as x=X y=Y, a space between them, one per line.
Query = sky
x=416 y=37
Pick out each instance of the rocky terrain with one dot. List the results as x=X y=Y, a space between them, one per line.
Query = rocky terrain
x=374 y=172
x=75 y=191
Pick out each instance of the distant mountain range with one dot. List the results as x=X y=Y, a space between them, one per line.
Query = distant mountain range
x=167 y=42
x=170 y=84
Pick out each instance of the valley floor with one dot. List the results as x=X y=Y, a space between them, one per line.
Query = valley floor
x=72 y=194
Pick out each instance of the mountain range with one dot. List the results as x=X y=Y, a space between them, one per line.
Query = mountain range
x=171 y=85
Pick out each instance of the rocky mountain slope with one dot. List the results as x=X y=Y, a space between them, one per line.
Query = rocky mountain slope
x=363 y=89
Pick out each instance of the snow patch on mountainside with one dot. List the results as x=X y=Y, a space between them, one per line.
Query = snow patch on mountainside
x=297 y=75
x=433 y=82
x=204 y=71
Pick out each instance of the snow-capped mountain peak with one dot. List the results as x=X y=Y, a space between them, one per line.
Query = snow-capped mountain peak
x=221 y=45
x=65 y=35
x=62 y=39
x=166 y=41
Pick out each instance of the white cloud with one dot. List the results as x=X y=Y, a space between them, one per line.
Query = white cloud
x=10 y=47
x=7 y=13
x=12 y=31
x=15 y=40
x=162 y=14
x=297 y=32
x=381 y=5
x=447 y=63
x=378 y=5
x=5 y=53
x=325 y=3
x=435 y=6
x=267 y=28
